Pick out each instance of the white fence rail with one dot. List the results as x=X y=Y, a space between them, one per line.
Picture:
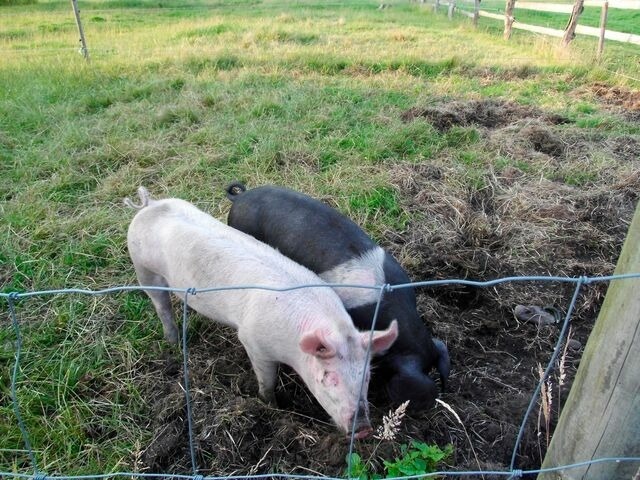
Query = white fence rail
x=556 y=8
x=566 y=7
x=581 y=29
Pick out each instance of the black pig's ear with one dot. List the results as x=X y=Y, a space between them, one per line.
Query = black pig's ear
x=444 y=363
x=382 y=339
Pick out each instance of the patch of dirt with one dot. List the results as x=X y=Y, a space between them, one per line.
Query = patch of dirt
x=488 y=75
x=618 y=96
x=518 y=224
x=619 y=100
x=485 y=113
x=234 y=431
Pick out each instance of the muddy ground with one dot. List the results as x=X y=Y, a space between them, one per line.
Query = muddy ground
x=518 y=224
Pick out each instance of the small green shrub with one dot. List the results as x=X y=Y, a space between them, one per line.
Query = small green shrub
x=418 y=458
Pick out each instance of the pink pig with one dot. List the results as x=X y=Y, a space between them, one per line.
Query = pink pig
x=174 y=244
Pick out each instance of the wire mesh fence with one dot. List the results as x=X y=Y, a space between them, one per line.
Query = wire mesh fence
x=12 y=303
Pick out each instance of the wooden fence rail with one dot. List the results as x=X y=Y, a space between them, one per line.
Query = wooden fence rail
x=510 y=21
x=566 y=7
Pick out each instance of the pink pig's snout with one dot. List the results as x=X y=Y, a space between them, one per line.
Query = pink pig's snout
x=362 y=428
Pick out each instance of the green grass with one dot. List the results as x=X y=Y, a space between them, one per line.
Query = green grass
x=186 y=96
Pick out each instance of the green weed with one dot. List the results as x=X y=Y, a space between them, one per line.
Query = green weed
x=417 y=458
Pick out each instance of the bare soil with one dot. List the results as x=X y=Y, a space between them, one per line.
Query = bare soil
x=517 y=224
x=619 y=96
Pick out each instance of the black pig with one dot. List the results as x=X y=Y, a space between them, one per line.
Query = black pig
x=328 y=243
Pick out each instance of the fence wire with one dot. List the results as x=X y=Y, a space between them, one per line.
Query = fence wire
x=13 y=297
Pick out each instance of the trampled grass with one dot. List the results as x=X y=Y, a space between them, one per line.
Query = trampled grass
x=185 y=97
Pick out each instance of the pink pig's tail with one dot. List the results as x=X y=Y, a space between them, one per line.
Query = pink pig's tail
x=143 y=194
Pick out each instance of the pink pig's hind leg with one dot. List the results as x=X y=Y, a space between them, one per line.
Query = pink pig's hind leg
x=161 y=301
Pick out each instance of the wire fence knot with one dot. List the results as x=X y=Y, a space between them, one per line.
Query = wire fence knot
x=198 y=477
x=13 y=296
x=386 y=288
x=39 y=476
x=516 y=474
x=584 y=279
x=191 y=291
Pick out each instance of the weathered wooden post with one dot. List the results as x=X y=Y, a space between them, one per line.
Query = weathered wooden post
x=601 y=417
x=603 y=27
x=570 y=29
x=508 y=18
x=476 y=12
x=83 y=42
x=452 y=6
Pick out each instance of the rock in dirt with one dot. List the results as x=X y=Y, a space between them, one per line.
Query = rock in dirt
x=535 y=314
x=574 y=345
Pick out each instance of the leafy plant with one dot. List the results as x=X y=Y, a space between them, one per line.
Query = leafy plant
x=417 y=458
x=356 y=468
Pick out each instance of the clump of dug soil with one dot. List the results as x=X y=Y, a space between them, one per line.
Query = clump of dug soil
x=485 y=113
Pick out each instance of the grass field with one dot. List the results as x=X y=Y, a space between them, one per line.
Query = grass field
x=184 y=97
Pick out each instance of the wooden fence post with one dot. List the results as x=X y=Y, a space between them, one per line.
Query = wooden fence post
x=83 y=42
x=476 y=12
x=452 y=6
x=603 y=26
x=570 y=29
x=508 y=18
x=601 y=417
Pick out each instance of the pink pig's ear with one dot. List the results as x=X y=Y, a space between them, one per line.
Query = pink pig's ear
x=382 y=339
x=315 y=343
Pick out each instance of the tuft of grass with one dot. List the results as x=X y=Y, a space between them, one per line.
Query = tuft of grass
x=208 y=31
x=326 y=65
x=196 y=65
x=283 y=36
x=172 y=115
x=379 y=205
x=458 y=137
